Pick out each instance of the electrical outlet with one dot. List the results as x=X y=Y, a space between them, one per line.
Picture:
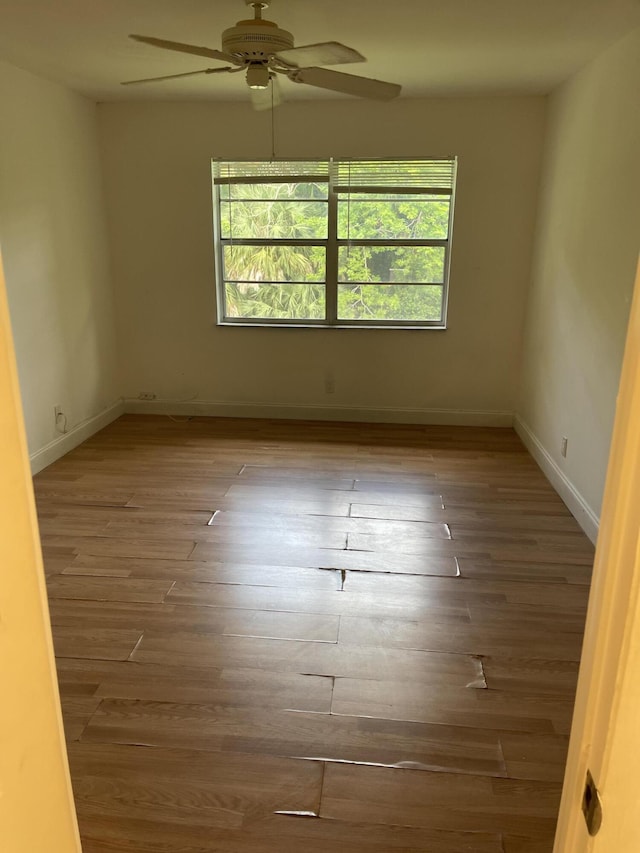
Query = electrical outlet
x=563 y=445
x=59 y=419
x=146 y=395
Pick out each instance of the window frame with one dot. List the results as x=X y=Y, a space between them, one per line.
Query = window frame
x=332 y=244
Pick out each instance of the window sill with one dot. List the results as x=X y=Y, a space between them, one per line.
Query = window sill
x=387 y=326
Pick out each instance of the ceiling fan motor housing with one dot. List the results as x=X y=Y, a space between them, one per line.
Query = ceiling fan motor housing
x=256 y=40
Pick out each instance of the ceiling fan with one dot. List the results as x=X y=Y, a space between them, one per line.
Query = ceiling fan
x=265 y=50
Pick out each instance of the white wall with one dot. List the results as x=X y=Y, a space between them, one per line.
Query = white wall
x=587 y=249
x=157 y=167
x=53 y=239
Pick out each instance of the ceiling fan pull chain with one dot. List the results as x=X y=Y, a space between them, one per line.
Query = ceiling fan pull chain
x=273 y=125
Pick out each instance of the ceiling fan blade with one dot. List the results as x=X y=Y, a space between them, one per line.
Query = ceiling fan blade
x=325 y=53
x=349 y=84
x=188 y=48
x=173 y=76
x=261 y=98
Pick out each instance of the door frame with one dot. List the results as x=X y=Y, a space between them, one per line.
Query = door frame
x=36 y=801
x=611 y=628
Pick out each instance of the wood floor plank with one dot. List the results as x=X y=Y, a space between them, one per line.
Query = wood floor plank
x=311 y=737
x=457 y=802
x=56 y=525
x=46 y=491
x=378 y=495
x=123 y=513
x=223 y=537
x=439 y=608
x=564 y=597
x=414 y=634
x=314 y=658
x=541 y=617
x=186 y=787
x=528 y=571
x=56 y=559
x=395 y=512
x=95 y=643
x=178 y=549
x=330 y=506
x=170 y=620
x=256 y=574
x=289 y=490
x=492 y=709
x=109 y=589
x=534 y=755
x=267 y=476
x=556 y=677
x=438 y=562
x=223 y=688
x=365 y=838
x=77 y=710
x=320 y=523
x=272 y=625
x=256 y=624
x=518 y=844
x=423 y=546
x=281 y=833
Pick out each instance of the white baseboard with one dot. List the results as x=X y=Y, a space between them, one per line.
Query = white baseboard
x=79 y=433
x=579 y=508
x=450 y=417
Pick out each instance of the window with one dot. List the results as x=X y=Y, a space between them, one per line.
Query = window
x=333 y=242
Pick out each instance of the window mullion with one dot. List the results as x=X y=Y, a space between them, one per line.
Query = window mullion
x=221 y=290
x=331 y=285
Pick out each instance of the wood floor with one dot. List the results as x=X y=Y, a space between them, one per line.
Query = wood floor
x=283 y=637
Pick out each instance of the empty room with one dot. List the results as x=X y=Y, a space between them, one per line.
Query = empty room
x=320 y=426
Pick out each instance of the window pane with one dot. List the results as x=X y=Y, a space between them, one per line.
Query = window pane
x=274 y=263
x=280 y=219
x=393 y=217
x=391 y=263
x=275 y=301
x=270 y=191
x=390 y=302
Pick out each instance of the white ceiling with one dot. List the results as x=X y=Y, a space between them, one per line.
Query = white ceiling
x=431 y=47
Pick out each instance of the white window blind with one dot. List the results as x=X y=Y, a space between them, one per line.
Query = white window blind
x=272 y=171
x=424 y=176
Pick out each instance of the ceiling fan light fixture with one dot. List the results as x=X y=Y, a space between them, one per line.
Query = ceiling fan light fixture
x=258 y=76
